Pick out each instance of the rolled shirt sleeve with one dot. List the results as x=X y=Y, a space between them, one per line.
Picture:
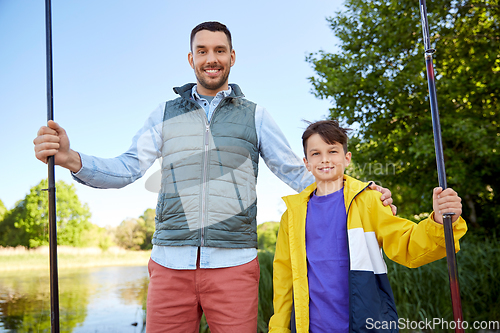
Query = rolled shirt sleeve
x=277 y=154
x=122 y=170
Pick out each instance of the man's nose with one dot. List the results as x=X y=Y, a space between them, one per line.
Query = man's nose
x=211 y=57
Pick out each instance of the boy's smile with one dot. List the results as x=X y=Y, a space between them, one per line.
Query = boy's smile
x=327 y=163
x=325 y=169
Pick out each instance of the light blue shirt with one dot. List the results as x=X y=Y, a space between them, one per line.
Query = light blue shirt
x=146 y=148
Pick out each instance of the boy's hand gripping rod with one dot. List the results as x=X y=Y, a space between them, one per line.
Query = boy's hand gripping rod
x=438 y=145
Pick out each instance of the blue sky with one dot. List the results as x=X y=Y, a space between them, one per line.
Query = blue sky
x=115 y=61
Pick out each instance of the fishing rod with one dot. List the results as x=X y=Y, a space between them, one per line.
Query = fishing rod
x=438 y=145
x=54 y=288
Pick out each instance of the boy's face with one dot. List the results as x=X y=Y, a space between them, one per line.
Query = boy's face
x=325 y=161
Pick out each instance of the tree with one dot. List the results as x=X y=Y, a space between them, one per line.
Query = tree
x=97 y=236
x=136 y=234
x=3 y=210
x=377 y=85
x=27 y=223
x=267 y=234
x=147 y=223
x=128 y=235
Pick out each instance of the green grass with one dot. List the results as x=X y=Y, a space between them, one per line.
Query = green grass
x=36 y=261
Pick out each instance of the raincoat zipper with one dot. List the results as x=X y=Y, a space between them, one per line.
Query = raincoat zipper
x=349 y=251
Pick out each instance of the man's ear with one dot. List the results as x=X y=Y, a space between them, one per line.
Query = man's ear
x=191 y=60
x=233 y=57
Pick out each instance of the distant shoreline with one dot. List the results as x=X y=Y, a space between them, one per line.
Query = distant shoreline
x=20 y=258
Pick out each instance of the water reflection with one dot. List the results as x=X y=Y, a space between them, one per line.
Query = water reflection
x=104 y=299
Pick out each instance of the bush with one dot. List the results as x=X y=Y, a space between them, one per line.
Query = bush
x=265 y=290
x=267 y=234
x=424 y=293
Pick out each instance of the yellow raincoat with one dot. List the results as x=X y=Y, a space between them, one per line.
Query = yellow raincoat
x=370 y=227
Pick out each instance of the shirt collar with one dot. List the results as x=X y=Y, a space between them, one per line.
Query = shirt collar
x=221 y=94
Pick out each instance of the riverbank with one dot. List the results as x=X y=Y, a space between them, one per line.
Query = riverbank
x=19 y=258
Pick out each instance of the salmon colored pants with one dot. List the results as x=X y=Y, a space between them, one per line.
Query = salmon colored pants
x=227 y=296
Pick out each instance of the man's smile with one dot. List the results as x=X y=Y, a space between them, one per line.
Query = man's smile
x=212 y=71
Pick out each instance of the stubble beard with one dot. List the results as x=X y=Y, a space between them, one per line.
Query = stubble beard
x=211 y=84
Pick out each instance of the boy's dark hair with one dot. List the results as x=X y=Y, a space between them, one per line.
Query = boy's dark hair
x=329 y=130
x=212 y=26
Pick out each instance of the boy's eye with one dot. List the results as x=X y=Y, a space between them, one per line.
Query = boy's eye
x=314 y=154
x=333 y=151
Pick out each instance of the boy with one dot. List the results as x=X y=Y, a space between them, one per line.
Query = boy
x=329 y=272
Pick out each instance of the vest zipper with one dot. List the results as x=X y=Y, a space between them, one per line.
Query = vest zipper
x=204 y=211
x=205 y=173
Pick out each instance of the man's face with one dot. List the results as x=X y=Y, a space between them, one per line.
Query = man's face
x=211 y=58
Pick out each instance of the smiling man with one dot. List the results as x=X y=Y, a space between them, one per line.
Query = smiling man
x=211 y=57
x=209 y=140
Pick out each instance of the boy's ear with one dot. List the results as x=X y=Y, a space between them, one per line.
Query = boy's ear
x=306 y=164
x=348 y=157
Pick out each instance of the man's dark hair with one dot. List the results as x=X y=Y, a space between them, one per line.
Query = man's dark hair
x=212 y=26
x=329 y=130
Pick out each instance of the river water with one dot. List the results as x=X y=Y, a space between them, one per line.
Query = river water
x=101 y=299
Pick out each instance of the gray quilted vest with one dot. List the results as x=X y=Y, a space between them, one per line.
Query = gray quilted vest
x=209 y=174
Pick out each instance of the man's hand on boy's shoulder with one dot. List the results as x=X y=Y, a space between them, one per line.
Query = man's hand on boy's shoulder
x=446 y=201
x=386 y=196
